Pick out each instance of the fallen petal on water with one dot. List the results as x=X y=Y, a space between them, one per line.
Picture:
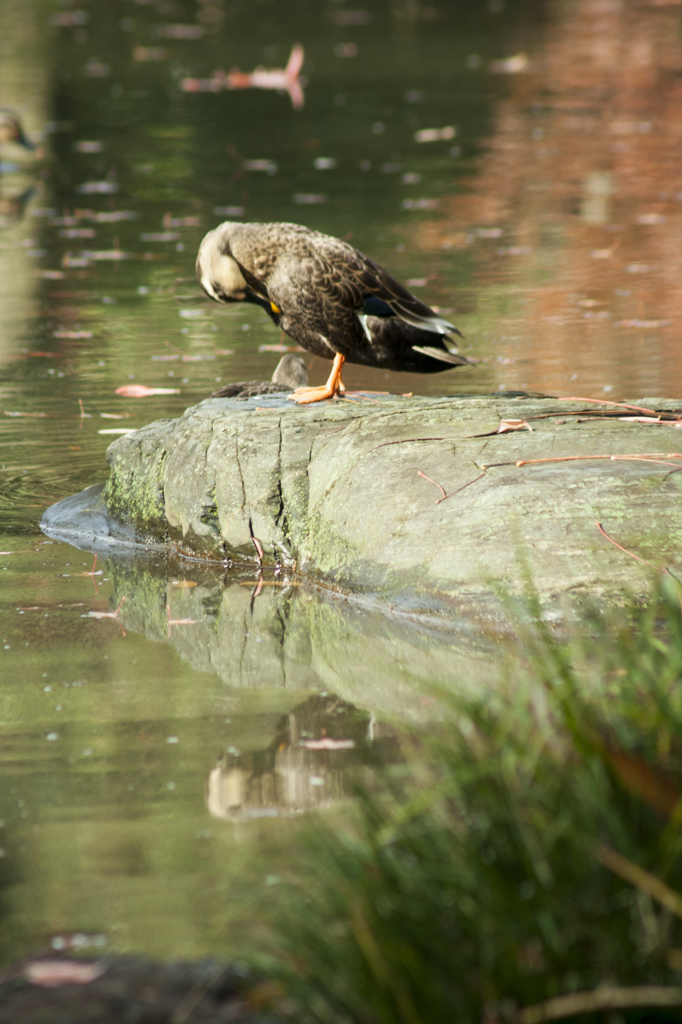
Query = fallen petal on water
x=435 y=134
x=55 y=973
x=141 y=391
x=327 y=744
x=279 y=348
x=309 y=198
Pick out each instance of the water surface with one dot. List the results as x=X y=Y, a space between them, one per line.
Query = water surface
x=153 y=751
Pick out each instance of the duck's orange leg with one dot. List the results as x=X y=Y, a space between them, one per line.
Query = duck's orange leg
x=334 y=386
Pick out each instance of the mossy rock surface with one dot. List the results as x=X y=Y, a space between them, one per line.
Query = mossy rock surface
x=351 y=494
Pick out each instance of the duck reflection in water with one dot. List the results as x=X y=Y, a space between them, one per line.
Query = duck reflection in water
x=14 y=195
x=11 y=130
x=295 y=773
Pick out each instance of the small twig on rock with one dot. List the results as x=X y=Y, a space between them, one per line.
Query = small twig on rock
x=461 y=488
x=409 y=440
x=419 y=473
x=655 y=457
x=621 y=548
x=637 y=557
x=363 y=395
x=602 y=401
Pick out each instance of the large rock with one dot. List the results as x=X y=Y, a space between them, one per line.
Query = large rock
x=349 y=493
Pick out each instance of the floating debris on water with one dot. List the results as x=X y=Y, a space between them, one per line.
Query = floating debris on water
x=346 y=50
x=68 y=19
x=646 y=325
x=435 y=134
x=419 y=204
x=281 y=79
x=160 y=236
x=149 y=53
x=228 y=211
x=179 y=31
x=326 y=743
x=104 y=254
x=142 y=391
x=96 y=69
x=97 y=187
x=309 y=198
x=350 y=17
x=109 y=216
x=510 y=65
x=268 y=166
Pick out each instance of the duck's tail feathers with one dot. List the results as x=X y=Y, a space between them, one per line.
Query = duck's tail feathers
x=436 y=324
x=454 y=358
x=378 y=283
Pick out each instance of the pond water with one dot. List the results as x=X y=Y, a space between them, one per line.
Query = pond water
x=495 y=157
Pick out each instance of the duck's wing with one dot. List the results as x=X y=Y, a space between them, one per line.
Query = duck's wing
x=325 y=281
x=376 y=282
x=318 y=296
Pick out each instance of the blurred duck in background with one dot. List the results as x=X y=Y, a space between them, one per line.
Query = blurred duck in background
x=11 y=130
x=15 y=191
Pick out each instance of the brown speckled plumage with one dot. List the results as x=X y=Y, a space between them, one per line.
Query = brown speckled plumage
x=326 y=295
x=290 y=373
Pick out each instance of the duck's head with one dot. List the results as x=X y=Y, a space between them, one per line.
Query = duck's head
x=218 y=272
x=291 y=371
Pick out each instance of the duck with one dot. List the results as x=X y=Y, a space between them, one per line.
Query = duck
x=11 y=129
x=327 y=296
x=289 y=374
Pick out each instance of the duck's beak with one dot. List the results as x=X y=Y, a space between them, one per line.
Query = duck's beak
x=260 y=300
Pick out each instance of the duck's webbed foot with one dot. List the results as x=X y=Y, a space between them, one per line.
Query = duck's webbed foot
x=334 y=386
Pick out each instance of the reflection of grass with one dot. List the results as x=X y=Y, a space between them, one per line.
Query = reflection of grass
x=532 y=853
